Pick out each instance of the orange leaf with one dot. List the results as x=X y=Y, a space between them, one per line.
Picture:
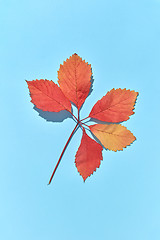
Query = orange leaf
x=116 y=106
x=88 y=156
x=113 y=136
x=75 y=79
x=47 y=96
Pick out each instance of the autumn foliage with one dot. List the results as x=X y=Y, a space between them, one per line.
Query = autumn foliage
x=74 y=78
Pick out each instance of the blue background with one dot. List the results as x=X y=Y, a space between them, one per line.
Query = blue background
x=121 y=40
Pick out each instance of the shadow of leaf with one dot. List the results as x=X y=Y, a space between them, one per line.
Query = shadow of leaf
x=101 y=122
x=92 y=81
x=53 y=116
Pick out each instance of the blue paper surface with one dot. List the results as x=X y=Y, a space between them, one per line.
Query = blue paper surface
x=120 y=201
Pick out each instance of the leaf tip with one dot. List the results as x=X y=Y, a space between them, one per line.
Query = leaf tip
x=27 y=82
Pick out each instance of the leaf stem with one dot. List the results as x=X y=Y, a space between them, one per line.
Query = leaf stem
x=84 y=124
x=78 y=115
x=85 y=118
x=74 y=116
x=81 y=124
x=62 y=153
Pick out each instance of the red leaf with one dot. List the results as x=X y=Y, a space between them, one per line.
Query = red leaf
x=75 y=79
x=116 y=106
x=47 y=96
x=88 y=156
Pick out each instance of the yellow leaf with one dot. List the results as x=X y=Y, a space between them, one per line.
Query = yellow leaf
x=113 y=136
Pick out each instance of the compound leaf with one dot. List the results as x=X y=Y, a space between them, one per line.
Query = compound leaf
x=74 y=78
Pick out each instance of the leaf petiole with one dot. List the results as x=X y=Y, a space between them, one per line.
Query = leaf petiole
x=84 y=124
x=84 y=118
x=74 y=116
